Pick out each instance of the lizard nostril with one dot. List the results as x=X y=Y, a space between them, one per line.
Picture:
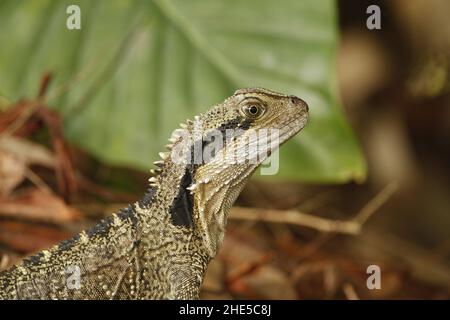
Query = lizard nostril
x=297 y=101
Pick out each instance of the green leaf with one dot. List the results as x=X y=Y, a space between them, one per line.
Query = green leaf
x=136 y=69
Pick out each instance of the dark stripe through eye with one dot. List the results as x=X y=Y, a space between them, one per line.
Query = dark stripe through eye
x=181 y=210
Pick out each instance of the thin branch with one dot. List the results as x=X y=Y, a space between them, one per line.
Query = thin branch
x=37 y=181
x=30 y=108
x=20 y=121
x=350 y=292
x=294 y=217
x=373 y=205
x=4 y=262
x=45 y=81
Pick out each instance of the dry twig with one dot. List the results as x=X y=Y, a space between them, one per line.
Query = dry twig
x=294 y=217
x=350 y=292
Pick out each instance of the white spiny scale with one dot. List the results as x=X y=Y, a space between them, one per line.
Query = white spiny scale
x=47 y=254
x=189 y=122
x=153 y=180
x=192 y=187
x=169 y=147
x=173 y=139
x=155 y=171
x=164 y=155
x=177 y=134
x=116 y=220
x=159 y=163
x=174 y=136
x=84 y=238
x=183 y=125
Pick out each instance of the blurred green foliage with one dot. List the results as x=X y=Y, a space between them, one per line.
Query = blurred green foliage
x=136 y=69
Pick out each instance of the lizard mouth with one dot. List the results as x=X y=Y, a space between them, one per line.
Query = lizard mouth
x=293 y=127
x=273 y=143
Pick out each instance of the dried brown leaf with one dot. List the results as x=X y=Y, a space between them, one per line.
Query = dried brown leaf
x=27 y=238
x=38 y=205
x=12 y=172
x=27 y=151
x=267 y=282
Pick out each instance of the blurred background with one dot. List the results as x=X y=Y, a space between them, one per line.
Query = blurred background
x=85 y=111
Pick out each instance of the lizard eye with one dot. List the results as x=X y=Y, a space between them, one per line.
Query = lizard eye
x=253 y=110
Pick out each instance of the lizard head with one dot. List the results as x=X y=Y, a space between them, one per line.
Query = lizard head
x=218 y=152
x=237 y=135
x=262 y=109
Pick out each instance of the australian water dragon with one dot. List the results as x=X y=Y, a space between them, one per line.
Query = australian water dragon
x=160 y=246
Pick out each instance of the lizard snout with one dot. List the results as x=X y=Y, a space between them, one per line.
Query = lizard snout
x=299 y=102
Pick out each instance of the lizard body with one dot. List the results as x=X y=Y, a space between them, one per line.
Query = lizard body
x=160 y=246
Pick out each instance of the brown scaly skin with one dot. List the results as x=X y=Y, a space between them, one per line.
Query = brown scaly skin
x=160 y=246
